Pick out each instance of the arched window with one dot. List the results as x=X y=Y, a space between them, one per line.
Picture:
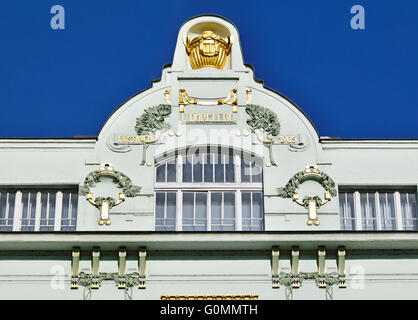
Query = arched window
x=209 y=189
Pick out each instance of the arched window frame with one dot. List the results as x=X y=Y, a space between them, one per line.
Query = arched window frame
x=244 y=187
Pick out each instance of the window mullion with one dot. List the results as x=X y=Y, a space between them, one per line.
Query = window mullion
x=38 y=211
x=209 y=211
x=194 y=208
x=58 y=211
x=192 y=167
x=7 y=209
x=165 y=218
x=357 y=210
x=212 y=156
x=179 y=174
x=17 y=211
x=237 y=164
x=203 y=162
x=47 y=214
x=238 y=211
x=179 y=211
x=398 y=210
x=378 y=216
x=223 y=162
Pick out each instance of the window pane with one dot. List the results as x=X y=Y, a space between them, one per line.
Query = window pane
x=257 y=205
x=11 y=200
x=219 y=169
x=208 y=168
x=188 y=205
x=3 y=202
x=44 y=223
x=65 y=207
x=28 y=213
x=347 y=215
x=201 y=205
x=245 y=170
x=229 y=205
x=171 y=205
x=159 y=205
x=44 y=205
x=229 y=168
x=74 y=204
x=171 y=171
x=246 y=205
x=197 y=168
x=409 y=210
x=216 y=206
x=187 y=169
x=160 y=173
x=387 y=211
x=368 y=211
x=7 y=202
x=52 y=202
x=256 y=172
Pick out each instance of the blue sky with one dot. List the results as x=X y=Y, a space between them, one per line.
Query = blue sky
x=351 y=83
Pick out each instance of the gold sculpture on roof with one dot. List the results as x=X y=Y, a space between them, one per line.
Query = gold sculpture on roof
x=208 y=50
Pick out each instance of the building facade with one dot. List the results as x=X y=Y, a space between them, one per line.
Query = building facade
x=208 y=185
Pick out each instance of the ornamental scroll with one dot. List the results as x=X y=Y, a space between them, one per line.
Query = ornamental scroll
x=312 y=203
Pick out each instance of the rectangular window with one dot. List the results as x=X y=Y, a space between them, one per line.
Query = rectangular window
x=409 y=210
x=69 y=211
x=252 y=211
x=7 y=205
x=222 y=211
x=38 y=210
x=194 y=211
x=165 y=211
x=348 y=220
x=378 y=210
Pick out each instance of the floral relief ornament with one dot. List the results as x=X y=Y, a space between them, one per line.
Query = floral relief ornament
x=312 y=203
x=105 y=204
x=152 y=122
x=265 y=125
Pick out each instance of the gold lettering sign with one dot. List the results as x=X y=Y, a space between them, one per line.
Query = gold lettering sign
x=135 y=139
x=208 y=117
x=288 y=139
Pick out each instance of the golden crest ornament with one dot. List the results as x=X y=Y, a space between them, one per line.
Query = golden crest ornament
x=208 y=50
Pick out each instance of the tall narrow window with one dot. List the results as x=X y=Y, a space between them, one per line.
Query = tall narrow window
x=252 y=211
x=7 y=205
x=215 y=189
x=165 y=211
x=38 y=210
x=69 y=211
x=348 y=219
x=409 y=210
x=48 y=200
x=378 y=210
